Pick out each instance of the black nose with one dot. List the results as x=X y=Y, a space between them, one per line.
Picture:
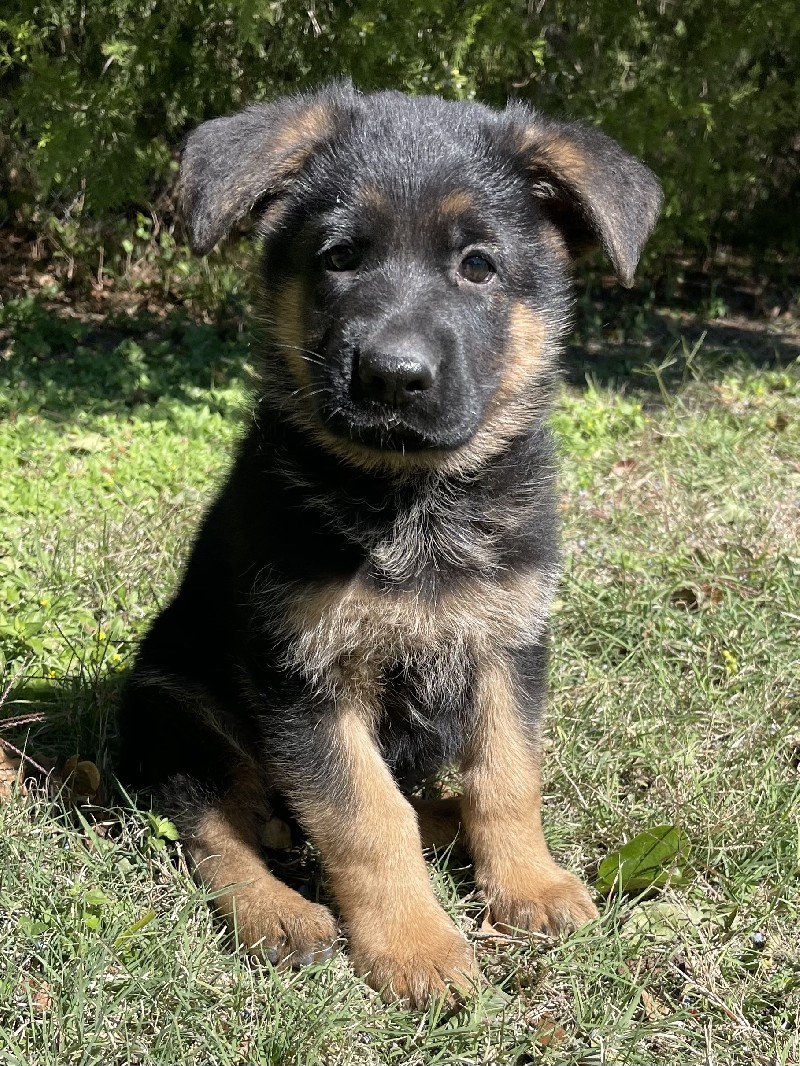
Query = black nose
x=396 y=371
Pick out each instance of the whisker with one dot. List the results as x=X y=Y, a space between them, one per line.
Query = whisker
x=307 y=395
x=304 y=353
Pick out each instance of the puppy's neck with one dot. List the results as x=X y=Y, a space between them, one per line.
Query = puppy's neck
x=418 y=527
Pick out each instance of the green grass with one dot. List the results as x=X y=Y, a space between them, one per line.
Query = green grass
x=676 y=700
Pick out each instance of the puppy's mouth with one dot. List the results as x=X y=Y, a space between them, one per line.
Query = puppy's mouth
x=386 y=429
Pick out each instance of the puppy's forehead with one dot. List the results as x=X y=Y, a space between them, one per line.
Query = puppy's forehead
x=400 y=154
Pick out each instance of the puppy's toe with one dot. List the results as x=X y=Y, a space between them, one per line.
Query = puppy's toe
x=554 y=903
x=290 y=931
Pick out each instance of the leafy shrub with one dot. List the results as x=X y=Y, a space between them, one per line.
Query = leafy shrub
x=95 y=97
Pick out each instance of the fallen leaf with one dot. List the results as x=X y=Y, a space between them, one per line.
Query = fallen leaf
x=695 y=597
x=39 y=992
x=81 y=780
x=792 y=750
x=653 y=1007
x=649 y=860
x=10 y=776
x=491 y=934
x=546 y=1031
x=87 y=442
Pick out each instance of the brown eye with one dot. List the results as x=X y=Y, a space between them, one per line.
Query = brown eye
x=476 y=269
x=342 y=257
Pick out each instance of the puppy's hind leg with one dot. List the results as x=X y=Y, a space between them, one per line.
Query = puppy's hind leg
x=439 y=822
x=265 y=914
x=190 y=753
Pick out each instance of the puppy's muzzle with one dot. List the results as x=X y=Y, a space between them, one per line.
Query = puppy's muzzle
x=396 y=371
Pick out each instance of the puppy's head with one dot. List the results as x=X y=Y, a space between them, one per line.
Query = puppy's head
x=416 y=259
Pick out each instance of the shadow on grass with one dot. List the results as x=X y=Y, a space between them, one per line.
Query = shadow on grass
x=620 y=338
x=75 y=716
x=63 y=364
x=61 y=717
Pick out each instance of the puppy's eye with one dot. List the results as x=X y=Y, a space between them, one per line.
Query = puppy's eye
x=476 y=269
x=342 y=257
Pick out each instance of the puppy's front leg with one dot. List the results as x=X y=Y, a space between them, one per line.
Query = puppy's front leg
x=501 y=806
x=368 y=836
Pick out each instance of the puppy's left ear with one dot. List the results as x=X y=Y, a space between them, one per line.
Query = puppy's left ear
x=593 y=190
x=237 y=165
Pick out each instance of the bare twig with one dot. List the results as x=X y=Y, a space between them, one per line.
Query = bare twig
x=23 y=719
x=21 y=754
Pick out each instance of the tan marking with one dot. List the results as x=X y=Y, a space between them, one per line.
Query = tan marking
x=349 y=628
x=526 y=339
x=567 y=162
x=459 y=461
x=554 y=238
x=513 y=409
x=294 y=144
x=530 y=137
x=279 y=159
x=401 y=940
x=287 y=325
x=272 y=218
x=565 y=159
x=288 y=166
x=371 y=198
x=558 y=153
x=266 y=914
x=457 y=202
x=305 y=129
x=501 y=809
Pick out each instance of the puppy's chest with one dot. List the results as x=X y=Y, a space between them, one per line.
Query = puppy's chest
x=429 y=599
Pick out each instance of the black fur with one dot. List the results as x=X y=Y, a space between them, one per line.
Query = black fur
x=379 y=457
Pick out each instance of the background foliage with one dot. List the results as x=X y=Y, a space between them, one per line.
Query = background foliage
x=94 y=97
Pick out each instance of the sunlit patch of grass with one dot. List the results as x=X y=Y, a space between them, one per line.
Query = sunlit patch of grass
x=675 y=702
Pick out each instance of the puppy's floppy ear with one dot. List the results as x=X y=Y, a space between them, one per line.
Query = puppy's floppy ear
x=230 y=164
x=592 y=189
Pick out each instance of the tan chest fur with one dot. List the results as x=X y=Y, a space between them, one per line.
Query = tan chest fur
x=352 y=629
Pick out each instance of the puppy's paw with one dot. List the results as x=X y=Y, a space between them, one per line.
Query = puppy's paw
x=439 y=822
x=285 y=928
x=550 y=901
x=424 y=959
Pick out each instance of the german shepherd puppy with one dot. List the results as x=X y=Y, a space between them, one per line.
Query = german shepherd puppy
x=368 y=597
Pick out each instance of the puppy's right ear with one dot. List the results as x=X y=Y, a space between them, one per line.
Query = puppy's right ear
x=593 y=190
x=231 y=164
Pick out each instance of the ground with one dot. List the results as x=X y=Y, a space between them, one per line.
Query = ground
x=675 y=700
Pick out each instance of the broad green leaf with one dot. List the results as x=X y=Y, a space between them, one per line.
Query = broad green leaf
x=163 y=828
x=647 y=861
x=96 y=897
